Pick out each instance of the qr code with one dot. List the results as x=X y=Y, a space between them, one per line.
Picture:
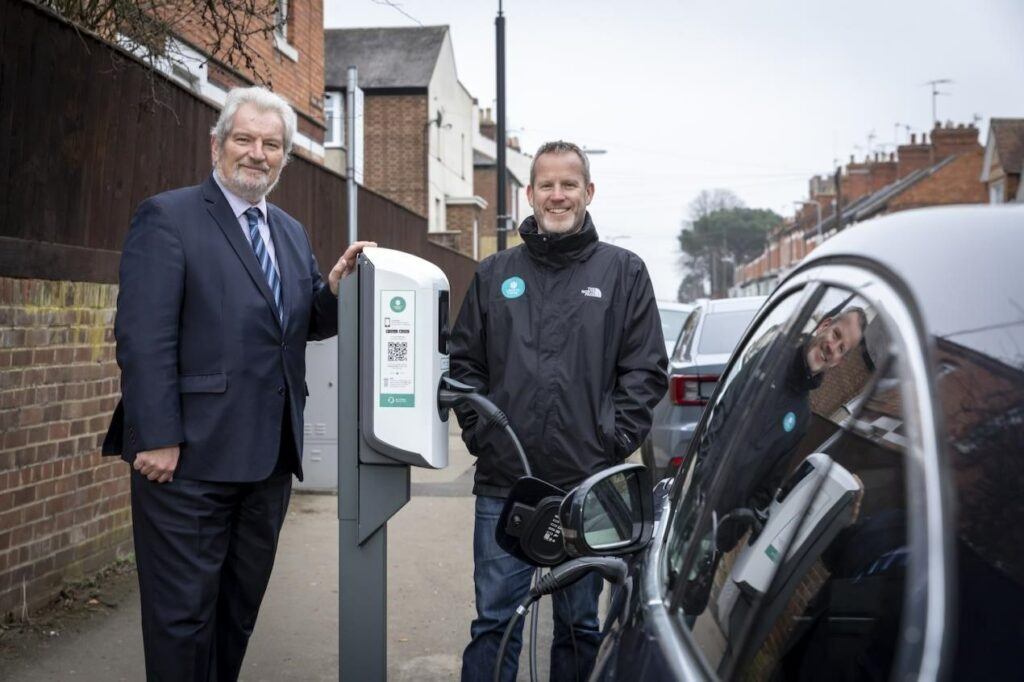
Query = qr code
x=398 y=351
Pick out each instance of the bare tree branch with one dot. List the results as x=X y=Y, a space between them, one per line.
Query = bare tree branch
x=223 y=28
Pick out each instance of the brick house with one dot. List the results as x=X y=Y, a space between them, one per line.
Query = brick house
x=290 y=61
x=485 y=183
x=417 y=127
x=944 y=171
x=1004 y=157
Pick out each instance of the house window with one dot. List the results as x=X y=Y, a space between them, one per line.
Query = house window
x=997 y=192
x=283 y=25
x=182 y=64
x=281 y=18
x=334 y=115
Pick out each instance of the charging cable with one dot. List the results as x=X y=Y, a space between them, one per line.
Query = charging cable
x=612 y=569
x=452 y=393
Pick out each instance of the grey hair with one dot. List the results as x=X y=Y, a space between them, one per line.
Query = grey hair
x=560 y=147
x=262 y=99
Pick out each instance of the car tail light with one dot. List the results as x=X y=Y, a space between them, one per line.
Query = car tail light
x=692 y=389
x=674 y=464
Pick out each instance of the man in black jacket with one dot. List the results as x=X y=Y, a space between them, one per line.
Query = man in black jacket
x=563 y=334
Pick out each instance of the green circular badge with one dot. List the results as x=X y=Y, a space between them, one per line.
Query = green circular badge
x=398 y=304
x=513 y=287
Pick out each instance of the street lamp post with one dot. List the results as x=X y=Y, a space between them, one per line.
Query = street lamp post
x=502 y=221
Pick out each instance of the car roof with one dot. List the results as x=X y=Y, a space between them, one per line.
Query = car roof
x=726 y=305
x=675 y=305
x=961 y=264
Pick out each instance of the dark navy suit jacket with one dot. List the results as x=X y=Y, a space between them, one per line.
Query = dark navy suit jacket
x=205 y=362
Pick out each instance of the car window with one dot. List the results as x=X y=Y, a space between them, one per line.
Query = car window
x=722 y=421
x=671 y=323
x=686 y=335
x=722 y=331
x=799 y=570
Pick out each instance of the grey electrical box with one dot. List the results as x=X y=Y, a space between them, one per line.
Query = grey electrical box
x=320 y=437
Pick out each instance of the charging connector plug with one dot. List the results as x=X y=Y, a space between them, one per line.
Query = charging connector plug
x=452 y=393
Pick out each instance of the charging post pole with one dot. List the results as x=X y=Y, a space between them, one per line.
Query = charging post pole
x=368 y=495
x=388 y=419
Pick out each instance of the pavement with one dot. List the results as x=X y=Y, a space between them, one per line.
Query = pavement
x=430 y=599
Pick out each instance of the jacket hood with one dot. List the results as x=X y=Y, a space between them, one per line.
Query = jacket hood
x=558 y=250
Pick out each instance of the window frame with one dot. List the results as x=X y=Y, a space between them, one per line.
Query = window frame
x=334 y=119
x=283 y=20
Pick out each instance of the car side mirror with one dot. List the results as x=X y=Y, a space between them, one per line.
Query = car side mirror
x=610 y=513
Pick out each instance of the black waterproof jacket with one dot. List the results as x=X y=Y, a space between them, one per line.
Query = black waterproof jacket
x=563 y=334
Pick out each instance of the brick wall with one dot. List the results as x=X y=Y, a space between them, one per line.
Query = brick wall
x=856 y=181
x=461 y=219
x=883 y=172
x=955 y=183
x=300 y=82
x=394 y=159
x=950 y=140
x=485 y=186
x=64 y=510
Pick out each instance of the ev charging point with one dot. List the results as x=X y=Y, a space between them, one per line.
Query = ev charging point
x=392 y=354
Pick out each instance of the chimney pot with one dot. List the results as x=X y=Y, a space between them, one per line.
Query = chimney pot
x=851 y=158
x=913 y=138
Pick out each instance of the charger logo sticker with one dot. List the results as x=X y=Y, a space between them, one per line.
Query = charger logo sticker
x=513 y=287
x=789 y=421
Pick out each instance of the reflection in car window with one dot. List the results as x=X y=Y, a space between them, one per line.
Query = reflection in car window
x=722 y=330
x=724 y=416
x=801 y=569
x=982 y=396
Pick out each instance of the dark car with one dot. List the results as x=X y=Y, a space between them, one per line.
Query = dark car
x=697 y=358
x=851 y=506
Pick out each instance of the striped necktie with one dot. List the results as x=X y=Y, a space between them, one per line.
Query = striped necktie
x=260 y=249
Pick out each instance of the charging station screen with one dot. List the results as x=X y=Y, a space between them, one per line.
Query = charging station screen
x=397 y=348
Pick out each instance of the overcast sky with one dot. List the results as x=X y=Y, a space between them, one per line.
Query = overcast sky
x=746 y=95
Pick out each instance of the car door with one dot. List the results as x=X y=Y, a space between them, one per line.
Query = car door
x=806 y=536
x=644 y=639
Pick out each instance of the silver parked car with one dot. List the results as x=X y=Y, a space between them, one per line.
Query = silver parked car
x=695 y=362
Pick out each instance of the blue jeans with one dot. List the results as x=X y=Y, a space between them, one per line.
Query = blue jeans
x=502 y=582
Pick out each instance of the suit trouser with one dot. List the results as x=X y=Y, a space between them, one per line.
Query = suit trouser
x=204 y=553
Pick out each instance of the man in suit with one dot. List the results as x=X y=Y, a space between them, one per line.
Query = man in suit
x=219 y=292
